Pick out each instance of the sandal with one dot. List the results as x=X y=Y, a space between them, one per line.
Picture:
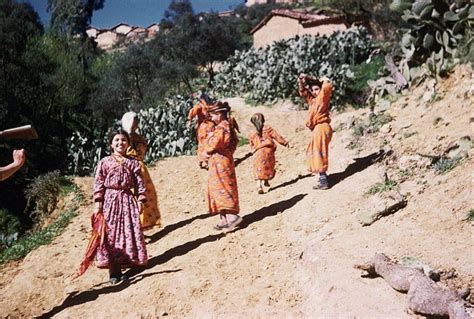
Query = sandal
x=114 y=280
x=321 y=187
x=260 y=191
x=266 y=183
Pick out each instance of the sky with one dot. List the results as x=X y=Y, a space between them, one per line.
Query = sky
x=136 y=12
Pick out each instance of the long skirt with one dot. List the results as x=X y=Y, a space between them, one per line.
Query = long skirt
x=317 y=152
x=264 y=163
x=124 y=245
x=222 y=191
x=150 y=215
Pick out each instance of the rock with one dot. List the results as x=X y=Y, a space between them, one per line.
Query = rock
x=386 y=128
x=459 y=148
x=413 y=161
x=350 y=121
x=378 y=206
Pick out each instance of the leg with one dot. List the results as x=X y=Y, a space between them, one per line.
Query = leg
x=323 y=181
x=260 y=186
x=115 y=273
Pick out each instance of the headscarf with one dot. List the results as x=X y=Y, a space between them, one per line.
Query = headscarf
x=258 y=120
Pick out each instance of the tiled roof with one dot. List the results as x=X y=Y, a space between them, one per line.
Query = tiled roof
x=306 y=19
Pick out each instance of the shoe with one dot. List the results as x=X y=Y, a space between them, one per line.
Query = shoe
x=231 y=226
x=114 y=280
x=124 y=277
x=220 y=227
x=321 y=186
x=260 y=191
x=266 y=183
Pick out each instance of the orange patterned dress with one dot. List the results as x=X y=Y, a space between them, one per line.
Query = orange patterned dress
x=222 y=191
x=150 y=216
x=317 y=152
x=264 y=148
x=204 y=127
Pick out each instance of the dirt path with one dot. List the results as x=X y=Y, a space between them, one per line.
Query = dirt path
x=294 y=253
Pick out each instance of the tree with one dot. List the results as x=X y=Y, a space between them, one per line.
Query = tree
x=72 y=17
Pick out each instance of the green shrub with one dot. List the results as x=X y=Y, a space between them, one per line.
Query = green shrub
x=382 y=187
x=268 y=74
x=42 y=195
x=242 y=141
x=445 y=164
x=358 y=85
x=163 y=126
x=10 y=228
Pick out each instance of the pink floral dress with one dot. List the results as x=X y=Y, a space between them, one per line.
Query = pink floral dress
x=125 y=244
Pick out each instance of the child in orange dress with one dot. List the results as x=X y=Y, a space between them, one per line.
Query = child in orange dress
x=222 y=191
x=262 y=143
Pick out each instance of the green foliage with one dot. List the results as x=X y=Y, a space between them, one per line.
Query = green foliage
x=382 y=187
x=242 y=141
x=364 y=73
x=445 y=164
x=435 y=29
x=268 y=74
x=378 y=120
x=45 y=236
x=10 y=227
x=42 y=195
x=163 y=126
x=72 y=17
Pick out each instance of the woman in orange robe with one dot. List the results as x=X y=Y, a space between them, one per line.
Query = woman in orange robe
x=150 y=215
x=204 y=126
x=262 y=143
x=317 y=93
x=222 y=191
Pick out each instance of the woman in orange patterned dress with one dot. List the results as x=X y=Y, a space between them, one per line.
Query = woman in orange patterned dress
x=262 y=143
x=150 y=215
x=222 y=191
x=317 y=93
x=204 y=126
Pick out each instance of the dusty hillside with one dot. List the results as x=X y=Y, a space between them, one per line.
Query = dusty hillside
x=294 y=253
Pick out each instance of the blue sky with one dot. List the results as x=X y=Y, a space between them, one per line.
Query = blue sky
x=136 y=12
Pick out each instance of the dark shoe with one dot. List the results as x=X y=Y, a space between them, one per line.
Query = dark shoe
x=124 y=277
x=260 y=191
x=266 y=183
x=114 y=280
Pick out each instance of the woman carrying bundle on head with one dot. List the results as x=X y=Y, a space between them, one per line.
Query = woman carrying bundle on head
x=262 y=143
x=204 y=126
x=222 y=191
x=317 y=93
x=150 y=216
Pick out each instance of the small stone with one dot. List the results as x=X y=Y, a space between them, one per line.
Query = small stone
x=386 y=128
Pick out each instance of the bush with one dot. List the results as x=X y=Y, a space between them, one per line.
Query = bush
x=382 y=187
x=10 y=227
x=163 y=126
x=42 y=196
x=358 y=86
x=268 y=74
x=445 y=164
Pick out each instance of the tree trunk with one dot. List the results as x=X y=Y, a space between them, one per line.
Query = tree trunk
x=424 y=296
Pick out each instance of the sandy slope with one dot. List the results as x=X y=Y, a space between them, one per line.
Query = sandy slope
x=294 y=253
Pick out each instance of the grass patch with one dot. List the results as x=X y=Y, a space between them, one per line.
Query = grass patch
x=444 y=164
x=242 y=141
x=382 y=187
x=357 y=86
x=44 y=236
x=405 y=173
x=409 y=134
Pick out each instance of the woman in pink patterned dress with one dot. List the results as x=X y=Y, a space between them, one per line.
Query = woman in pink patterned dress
x=116 y=175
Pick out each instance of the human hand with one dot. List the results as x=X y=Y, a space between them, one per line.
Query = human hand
x=19 y=157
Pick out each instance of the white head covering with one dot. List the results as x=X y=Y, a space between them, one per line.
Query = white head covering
x=127 y=121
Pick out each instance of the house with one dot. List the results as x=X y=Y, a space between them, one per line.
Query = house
x=250 y=3
x=281 y=24
x=121 y=35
